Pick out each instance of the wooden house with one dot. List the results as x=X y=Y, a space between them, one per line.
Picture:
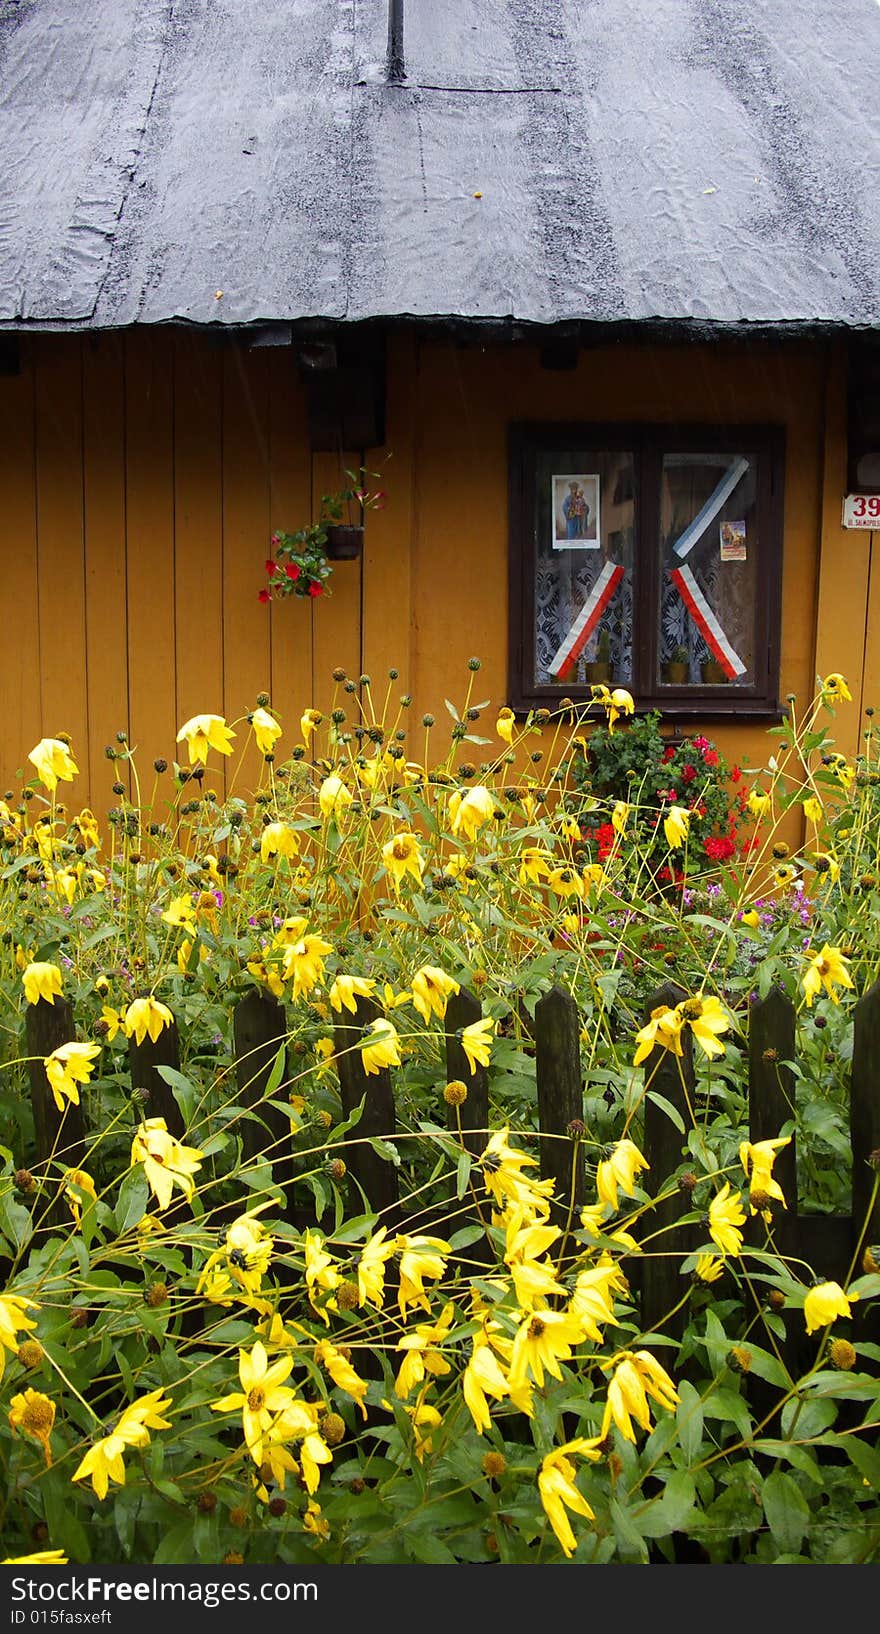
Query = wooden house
x=510 y=253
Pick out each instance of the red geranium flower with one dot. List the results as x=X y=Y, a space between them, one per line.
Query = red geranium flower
x=316 y=589
x=292 y=570
x=688 y=773
x=711 y=757
x=718 y=847
x=270 y=566
x=264 y=595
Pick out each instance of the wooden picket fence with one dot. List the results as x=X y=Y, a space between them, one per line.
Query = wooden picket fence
x=826 y=1243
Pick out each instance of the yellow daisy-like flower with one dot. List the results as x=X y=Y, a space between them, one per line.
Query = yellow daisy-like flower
x=708 y=1268
x=543 y=1339
x=308 y=721
x=706 y=1018
x=34 y=1413
x=43 y=1557
x=181 y=913
x=476 y=1041
x=420 y=1257
x=823 y=1303
x=534 y=863
x=347 y=989
x=322 y=1277
x=757 y=1160
x=383 y=1048
x=676 y=824
x=566 y=882
x=431 y=988
x=834 y=689
x=504 y=724
x=68 y=1067
x=636 y=1376
x=54 y=763
x=167 y=1163
x=266 y=730
x=617 y=703
x=374 y=1257
x=146 y=1017
x=725 y=1217
x=278 y=840
x=813 y=809
x=558 y=1491
x=341 y=1372
x=334 y=798
x=619 y=815
x=41 y=981
x=619 y=1169
x=86 y=824
x=78 y=1184
x=663 y=1030
x=758 y=803
x=262 y=1395
x=203 y=733
x=829 y=969
x=12 y=1322
x=303 y=964
x=501 y=1166
x=402 y=855
x=469 y=811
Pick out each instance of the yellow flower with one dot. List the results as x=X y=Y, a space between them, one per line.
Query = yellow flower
x=68 y=1067
x=103 y=1461
x=263 y=1393
x=77 y=1182
x=813 y=809
x=321 y=1274
x=383 y=1050
x=591 y=1302
x=708 y=1268
x=54 y=762
x=469 y=811
x=12 y=1322
x=842 y=770
x=824 y=863
x=619 y=815
x=476 y=1042
x=566 y=882
x=278 y=840
x=346 y=989
x=315 y=1522
x=205 y=732
x=501 y=1166
x=307 y=723
x=34 y=1413
x=86 y=824
x=422 y=1354
x=266 y=730
x=725 y=1217
x=303 y=962
x=637 y=1375
x=341 y=1372
x=675 y=826
x=402 y=855
x=334 y=798
x=180 y=912
x=245 y=1256
x=505 y=723
x=823 y=1303
x=533 y=865
x=166 y=1162
x=431 y=988
x=752 y=917
x=420 y=1257
x=543 y=1339
x=41 y=981
x=663 y=1029
x=759 y=1158
x=617 y=703
x=758 y=803
x=43 y=1557
x=558 y=1491
x=619 y=1169
x=706 y=1018
x=826 y=969
x=834 y=689
x=375 y=1254
x=146 y=1016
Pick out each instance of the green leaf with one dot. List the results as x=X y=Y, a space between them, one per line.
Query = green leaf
x=767 y=1367
x=185 y=1093
x=672 y=1510
x=786 y=1509
x=131 y=1204
x=804 y=1419
x=689 y=1418
x=629 y=1539
x=671 y=1111
x=462 y=1174
x=384 y=1149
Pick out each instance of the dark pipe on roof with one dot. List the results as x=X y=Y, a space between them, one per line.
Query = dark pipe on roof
x=395 y=65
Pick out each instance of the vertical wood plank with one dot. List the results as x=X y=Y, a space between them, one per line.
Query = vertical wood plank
x=150 y=546
x=463 y=1010
x=19 y=601
x=198 y=527
x=337 y=618
x=389 y=533
x=157 y=1096
x=865 y=1117
x=59 y=1136
x=376 y=1177
x=61 y=574
x=105 y=558
x=772 y=1103
x=843 y=568
x=560 y=1102
x=672 y=1077
x=290 y=507
x=247 y=663
x=259 y=1030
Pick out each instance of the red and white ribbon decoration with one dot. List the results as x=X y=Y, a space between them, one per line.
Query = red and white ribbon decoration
x=706 y=622
x=587 y=618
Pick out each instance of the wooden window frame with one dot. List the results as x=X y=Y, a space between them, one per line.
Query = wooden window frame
x=648 y=443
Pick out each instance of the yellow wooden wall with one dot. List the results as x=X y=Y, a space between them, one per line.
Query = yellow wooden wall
x=143 y=473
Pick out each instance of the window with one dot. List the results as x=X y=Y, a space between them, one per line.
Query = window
x=647 y=557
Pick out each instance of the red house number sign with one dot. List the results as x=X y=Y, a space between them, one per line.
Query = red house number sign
x=861 y=511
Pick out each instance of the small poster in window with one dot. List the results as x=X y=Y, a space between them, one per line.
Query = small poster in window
x=733 y=541
x=575 y=511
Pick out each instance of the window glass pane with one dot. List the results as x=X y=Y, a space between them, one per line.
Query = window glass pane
x=584 y=568
x=709 y=548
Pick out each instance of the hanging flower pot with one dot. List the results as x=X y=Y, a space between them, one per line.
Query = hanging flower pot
x=344 y=543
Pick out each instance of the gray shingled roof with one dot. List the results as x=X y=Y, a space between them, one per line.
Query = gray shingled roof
x=545 y=160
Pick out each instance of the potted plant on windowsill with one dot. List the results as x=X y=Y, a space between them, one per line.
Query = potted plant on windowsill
x=712 y=673
x=677 y=667
x=301 y=563
x=599 y=671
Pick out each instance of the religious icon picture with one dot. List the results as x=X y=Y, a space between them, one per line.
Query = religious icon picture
x=575 y=511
